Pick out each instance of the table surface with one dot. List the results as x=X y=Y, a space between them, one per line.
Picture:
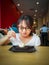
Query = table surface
x=40 y=57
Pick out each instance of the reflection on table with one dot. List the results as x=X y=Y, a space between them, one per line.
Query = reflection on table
x=40 y=57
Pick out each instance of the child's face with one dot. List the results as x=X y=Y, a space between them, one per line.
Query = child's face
x=23 y=29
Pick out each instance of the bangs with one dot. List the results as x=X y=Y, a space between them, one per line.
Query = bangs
x=28 y=24
x=28 y=20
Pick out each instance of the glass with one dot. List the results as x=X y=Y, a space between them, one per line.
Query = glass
x=26 y=28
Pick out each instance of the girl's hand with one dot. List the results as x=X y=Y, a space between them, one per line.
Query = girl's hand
x=11 y=34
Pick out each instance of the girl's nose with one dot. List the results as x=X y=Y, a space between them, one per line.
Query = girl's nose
x=24 y=30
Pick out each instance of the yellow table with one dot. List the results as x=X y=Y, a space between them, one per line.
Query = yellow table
x=40 y=57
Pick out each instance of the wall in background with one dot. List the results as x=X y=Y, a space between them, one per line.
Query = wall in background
x=9 y=13
x=46 y=17
x=0 y=13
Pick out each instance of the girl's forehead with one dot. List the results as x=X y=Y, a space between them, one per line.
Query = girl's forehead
x=23 y=22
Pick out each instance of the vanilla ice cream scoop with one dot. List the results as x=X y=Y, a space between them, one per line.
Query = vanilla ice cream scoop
x=21 y=45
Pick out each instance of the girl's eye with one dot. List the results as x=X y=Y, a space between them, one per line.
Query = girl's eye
x=24 y=28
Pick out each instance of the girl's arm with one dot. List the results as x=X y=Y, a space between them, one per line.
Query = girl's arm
x=7 y=37
x=4 y=40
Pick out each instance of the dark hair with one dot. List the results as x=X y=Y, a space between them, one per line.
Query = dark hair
x=44 y=25
x=28 y=19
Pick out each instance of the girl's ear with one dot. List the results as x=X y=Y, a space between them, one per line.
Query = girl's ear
x=17 y=25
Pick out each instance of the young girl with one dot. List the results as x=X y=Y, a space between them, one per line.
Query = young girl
x=25 y=37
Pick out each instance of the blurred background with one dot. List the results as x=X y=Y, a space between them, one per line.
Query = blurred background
x=11 y=10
